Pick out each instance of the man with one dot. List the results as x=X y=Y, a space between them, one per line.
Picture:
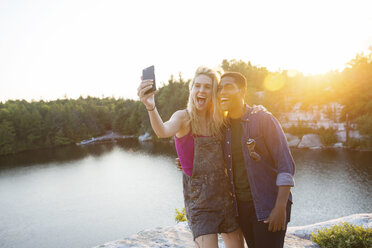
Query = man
x=259 y=165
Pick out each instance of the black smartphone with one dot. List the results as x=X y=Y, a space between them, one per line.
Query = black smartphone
x=149 y=73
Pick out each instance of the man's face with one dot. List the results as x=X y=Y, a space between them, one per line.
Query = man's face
x=229 y=94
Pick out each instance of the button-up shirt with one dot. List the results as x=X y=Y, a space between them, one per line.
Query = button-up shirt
x=275 y=166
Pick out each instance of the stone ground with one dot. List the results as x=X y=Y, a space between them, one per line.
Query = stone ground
x=179 y=236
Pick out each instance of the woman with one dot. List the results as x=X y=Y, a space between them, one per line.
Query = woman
x=197 y=131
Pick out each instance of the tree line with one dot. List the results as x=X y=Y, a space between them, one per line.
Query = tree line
x=32 y=125
x=40 y=124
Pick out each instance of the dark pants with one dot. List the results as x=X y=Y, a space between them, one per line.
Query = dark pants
x=256 y=233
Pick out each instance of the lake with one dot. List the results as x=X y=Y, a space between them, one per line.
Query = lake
x=84 y=196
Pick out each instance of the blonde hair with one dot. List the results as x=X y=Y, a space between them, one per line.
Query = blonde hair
x=215 y=119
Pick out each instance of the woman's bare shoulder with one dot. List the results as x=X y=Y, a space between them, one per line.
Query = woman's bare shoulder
x=184 y=118
x=182 y=115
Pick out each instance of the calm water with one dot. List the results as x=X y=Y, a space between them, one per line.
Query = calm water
x=85 y=196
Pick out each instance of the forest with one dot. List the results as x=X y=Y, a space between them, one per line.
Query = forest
x=41 y=124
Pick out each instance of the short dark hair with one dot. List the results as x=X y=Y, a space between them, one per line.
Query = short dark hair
x=239 y=78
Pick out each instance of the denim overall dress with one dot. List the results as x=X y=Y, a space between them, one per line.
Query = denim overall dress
x=207 y=193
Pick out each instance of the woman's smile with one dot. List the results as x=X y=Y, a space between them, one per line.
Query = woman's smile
x=202 y=91
x=201 y=100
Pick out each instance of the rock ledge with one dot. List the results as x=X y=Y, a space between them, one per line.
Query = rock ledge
x=179 y=236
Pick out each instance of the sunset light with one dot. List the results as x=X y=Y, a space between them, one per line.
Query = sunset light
x=274 y=82
x=188 y=123
x=79 y=48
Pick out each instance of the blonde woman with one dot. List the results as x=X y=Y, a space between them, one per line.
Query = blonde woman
x=197 y=132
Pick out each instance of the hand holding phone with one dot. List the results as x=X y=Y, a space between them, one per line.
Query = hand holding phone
x=149 y=74
x=147 y=88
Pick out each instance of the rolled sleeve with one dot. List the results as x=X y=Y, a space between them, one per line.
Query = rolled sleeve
x=285 y=179
x=277 y=145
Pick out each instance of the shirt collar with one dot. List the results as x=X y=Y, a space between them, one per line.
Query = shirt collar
x=246 y=114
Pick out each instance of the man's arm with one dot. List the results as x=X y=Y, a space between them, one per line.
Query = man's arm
x=278 y=216
x=276 y=143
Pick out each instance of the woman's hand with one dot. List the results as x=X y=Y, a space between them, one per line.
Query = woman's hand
x=258 y=108
x=147 y=99
x=162 y=129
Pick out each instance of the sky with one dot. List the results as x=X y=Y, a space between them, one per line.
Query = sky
x=53 y=49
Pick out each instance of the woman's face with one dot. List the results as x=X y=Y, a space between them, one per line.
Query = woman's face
x=201 y=92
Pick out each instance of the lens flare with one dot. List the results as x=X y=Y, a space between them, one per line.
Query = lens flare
x=292 y=73
x=274 y=82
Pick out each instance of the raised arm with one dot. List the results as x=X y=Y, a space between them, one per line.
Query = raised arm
x=162 y=129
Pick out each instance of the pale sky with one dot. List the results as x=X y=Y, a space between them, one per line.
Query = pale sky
x=49 y=49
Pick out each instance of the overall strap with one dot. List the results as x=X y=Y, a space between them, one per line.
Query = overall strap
x=188 y=114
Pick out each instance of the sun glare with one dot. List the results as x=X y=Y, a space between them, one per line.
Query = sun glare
x=274 y=82
x=292 y=73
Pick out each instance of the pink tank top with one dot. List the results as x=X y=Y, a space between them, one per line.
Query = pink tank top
x=185 y=151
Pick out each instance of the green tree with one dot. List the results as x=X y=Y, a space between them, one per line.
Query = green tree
x=7 y=137
x=61 y=139
x=365 y=126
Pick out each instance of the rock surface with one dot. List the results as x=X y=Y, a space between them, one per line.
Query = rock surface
x=293 y=140
x=338 y=145
x=179 y=236
x=354 y=134
x=310 y=141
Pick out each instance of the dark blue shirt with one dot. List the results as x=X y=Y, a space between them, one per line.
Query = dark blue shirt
x=241 y=182
x=275 y=166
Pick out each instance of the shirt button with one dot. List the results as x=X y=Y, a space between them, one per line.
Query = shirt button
x=228 y=142
x=229 y=156
x=230 y=169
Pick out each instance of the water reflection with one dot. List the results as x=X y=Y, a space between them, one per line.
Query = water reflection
x=81 y=196
x=331 y=184
x=155 y=148
x=72 y=153
x=85 y=196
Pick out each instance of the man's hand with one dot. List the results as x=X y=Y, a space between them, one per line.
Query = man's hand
x=277 y=219
x=178 y=164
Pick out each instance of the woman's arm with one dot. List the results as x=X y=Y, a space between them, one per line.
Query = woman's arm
x=162 y=130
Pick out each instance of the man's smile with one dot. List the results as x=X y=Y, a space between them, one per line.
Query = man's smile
x=224 y=99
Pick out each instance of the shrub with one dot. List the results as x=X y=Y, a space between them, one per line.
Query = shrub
x=365 y=124
x=300 y=129
x=344 y=235
x=358 y=143
x=328 y=136
x=353 y=143
x=180 y=216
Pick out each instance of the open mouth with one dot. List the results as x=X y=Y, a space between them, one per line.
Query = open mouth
x=201 y=100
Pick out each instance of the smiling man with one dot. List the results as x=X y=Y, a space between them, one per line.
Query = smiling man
x=259 y=164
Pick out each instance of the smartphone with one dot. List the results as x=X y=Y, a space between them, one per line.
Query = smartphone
x=149 y=73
